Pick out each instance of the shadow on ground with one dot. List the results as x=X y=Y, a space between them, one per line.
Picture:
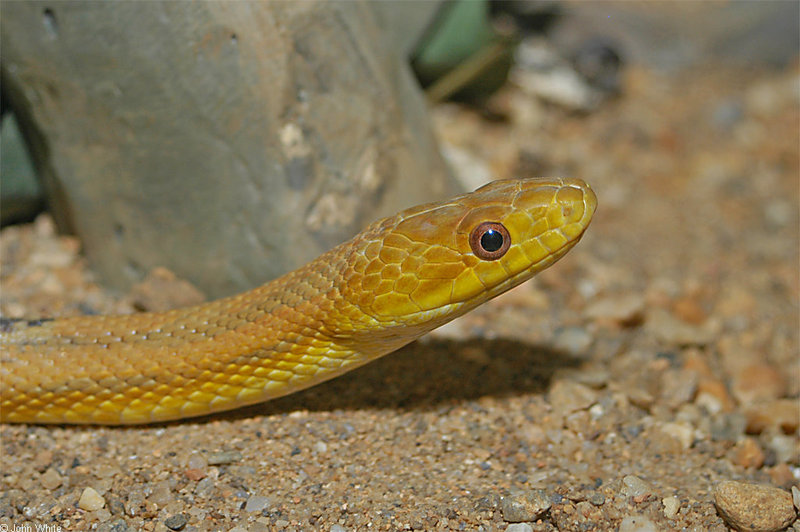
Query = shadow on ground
x=427 y=375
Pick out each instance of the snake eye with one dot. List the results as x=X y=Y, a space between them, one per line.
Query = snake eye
x=490 y=240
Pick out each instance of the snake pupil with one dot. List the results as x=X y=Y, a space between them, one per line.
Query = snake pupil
x=491 y=240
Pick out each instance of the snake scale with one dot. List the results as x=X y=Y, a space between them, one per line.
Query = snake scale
x=395 y=281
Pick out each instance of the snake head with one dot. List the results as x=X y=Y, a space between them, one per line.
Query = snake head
x=434 y=262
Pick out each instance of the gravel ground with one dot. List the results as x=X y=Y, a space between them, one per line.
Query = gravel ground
x=646 y=382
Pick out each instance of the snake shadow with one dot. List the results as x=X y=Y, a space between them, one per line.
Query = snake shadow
x=428 y=375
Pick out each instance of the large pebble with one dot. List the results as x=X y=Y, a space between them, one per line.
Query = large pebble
x=754 y=507
x=524 y=505
x=90 y=500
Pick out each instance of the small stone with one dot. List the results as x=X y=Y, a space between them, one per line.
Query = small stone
x=781 y=474
x=689 y=310
x=256 y=503
x=622 y=309
x=712 y=394
x=161 y=494
x=758 y=382
x=633 y=486
x=320 y=447
x=196 y=461
x=162 y=290
x=754 y=507
x=338 y=528
x=567 y=396
x=796 y=497
x=638 y=523
x=597 y=498
x=671 y=506
x=674 y=331
x=681 y=432
x=574 y=341
x=195 y=474
x=727 y=427
x=747 y=453
x=42 y=460
x=224 y=457
x=783 y=414
x=176 y=522
x=522 y=506
x=639 y=397
x=519 y=527
x=784 y=447
x=90 y=500
x=114 y=525
x=678 y=387
x=116 y=507
x=50 y=479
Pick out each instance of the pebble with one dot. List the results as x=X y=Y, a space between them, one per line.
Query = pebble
x=114 y=525
x=681 y=432
x=758 y=382
x=689 y=310
x=256 y=503
x=524 y=505
x=678 y=387
x=728 y=427
x=637 y=523
x=633 y=486
x=224 y=457
x=671 y=506
x=572 y=340
x=50 y=479
x=90 y=500
x=161 y=494
x=754 y=507
x=796 y=497
x=517 y=527
x=747 y=453
x=163 y=290
x=196 y=461
x=623 y=309
x=674 y=331
x=116 y=507
x=784 y=447
x=712 y=394
x=783 y=414
x=338 y=528
x=176 y=522
x=568 y=396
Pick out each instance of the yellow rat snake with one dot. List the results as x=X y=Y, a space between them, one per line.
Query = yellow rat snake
x=395 y=281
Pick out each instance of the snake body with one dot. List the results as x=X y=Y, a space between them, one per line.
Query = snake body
x=398 y=279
